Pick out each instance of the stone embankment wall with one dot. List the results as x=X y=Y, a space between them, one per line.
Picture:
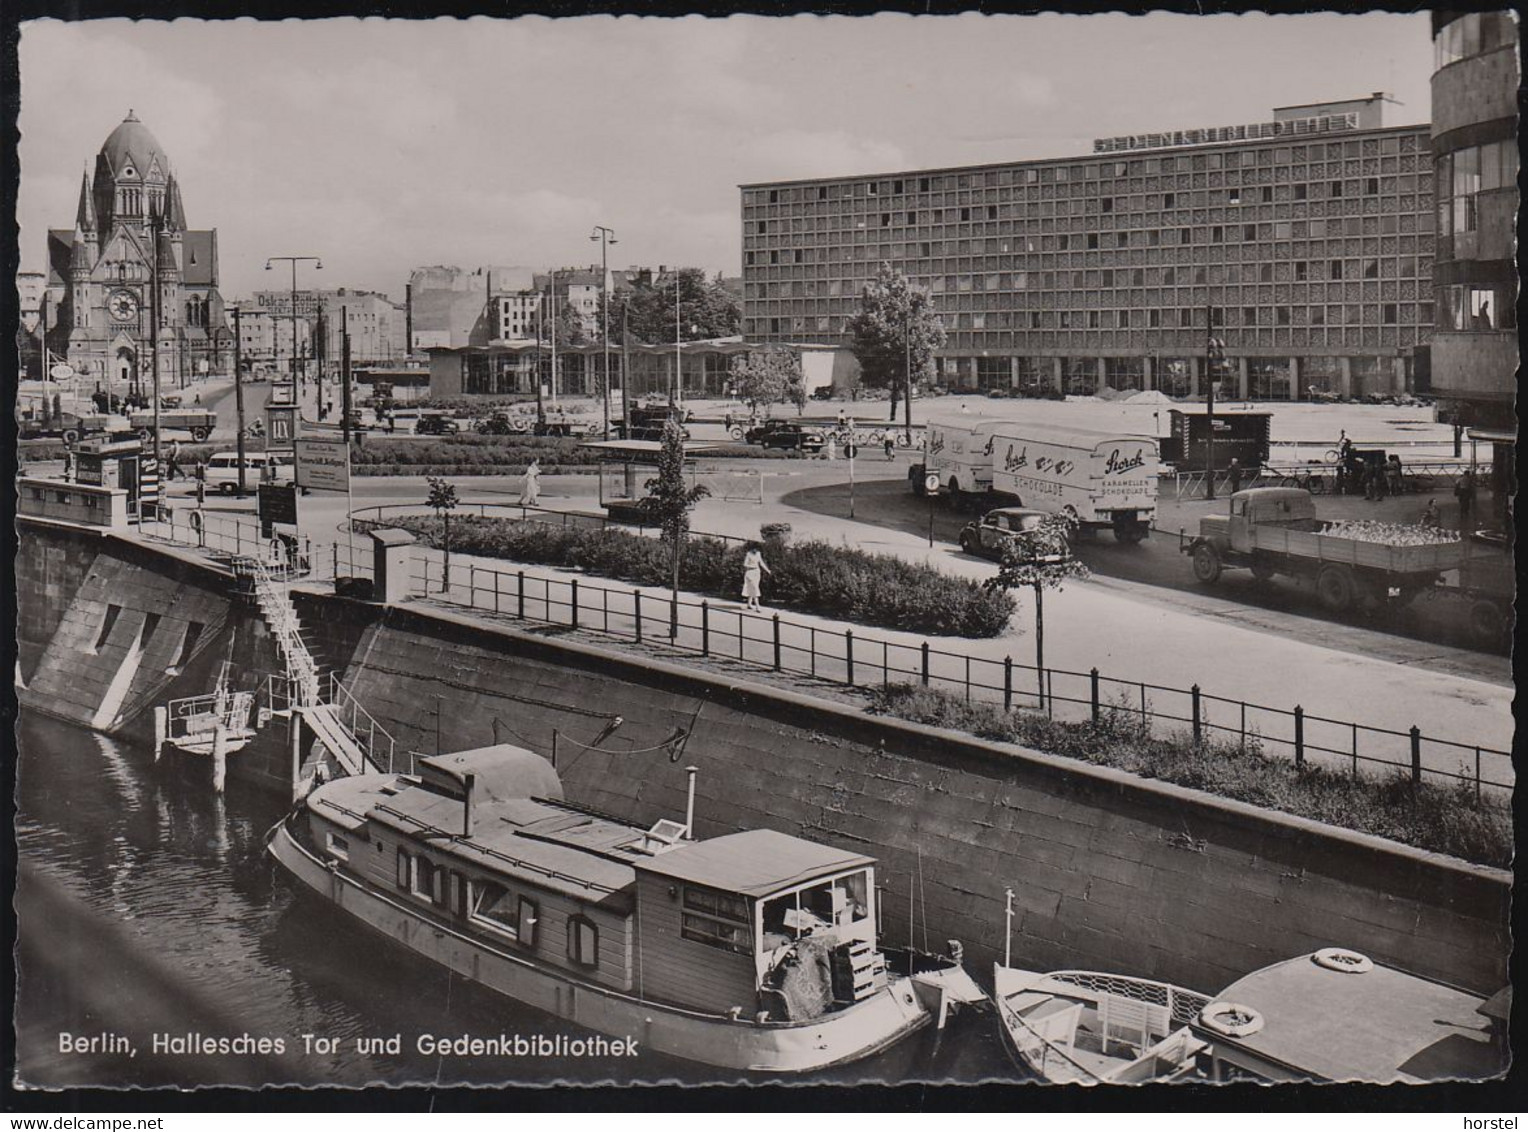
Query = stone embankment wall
x=1108 y=871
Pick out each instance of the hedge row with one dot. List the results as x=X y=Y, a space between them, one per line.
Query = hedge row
x=1442 y=819
x=814 y=577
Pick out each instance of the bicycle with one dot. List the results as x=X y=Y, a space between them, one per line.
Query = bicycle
x=1310 y=478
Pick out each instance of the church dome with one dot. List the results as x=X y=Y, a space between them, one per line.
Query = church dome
x=131 y=147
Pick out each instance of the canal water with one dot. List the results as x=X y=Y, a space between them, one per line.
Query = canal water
x=147 y=907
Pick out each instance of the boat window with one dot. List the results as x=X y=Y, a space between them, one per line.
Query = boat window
x=851 y=895
x=583 y=941
x=338 y=847
x=426 y=882
x=717 y=919
x=529 y=919
x=496 y=907
x=458 y=892
x=723 y=905
x=405 y=870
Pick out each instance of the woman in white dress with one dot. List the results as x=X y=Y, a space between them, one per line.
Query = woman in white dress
x=531 y=492
x=754 y=569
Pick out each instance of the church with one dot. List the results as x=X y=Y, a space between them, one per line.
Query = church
x=129 y=233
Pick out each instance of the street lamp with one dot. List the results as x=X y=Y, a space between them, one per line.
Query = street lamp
x=606 y=237
x=294 y=260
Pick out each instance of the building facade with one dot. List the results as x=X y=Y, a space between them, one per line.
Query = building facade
x=129 y=233
x=1474 y=142
x=1309 y=238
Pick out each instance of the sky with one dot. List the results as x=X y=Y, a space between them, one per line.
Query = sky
x=385 y=145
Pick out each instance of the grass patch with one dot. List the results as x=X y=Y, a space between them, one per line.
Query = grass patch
x=1441 y=819
x=814 y=577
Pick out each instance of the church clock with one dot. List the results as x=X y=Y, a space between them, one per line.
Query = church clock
x=123 y=306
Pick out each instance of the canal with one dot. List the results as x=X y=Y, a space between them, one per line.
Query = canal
x=158 y=946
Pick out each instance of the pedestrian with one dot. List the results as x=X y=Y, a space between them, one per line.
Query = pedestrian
x=1394 y=474
x=754 y=569
x=530 y=493
x=1430 y=514
x=1464 y=491
x=890 y=446
x=1371 y=481
x=68 y=463
x=830 y=449
x=729 y=422
x=172 y=462
x=1344 y=445
x=842 y=420
x=1234 y=473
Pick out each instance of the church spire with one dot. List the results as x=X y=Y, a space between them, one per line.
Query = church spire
x=84 y=216
x=175 y=212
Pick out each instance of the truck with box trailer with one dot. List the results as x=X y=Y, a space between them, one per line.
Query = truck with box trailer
x=959 y=452
x=1101 y=480
x=1275 y=531
x=198 y=422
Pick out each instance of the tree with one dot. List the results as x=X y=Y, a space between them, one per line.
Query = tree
x=443 y=499
x=894 y=335
x=669 y=503
x=570 y=327
x=768 y=377
x=1040 y=557
x=706 y=309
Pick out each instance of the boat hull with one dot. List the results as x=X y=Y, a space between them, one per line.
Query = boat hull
x=847 y=1035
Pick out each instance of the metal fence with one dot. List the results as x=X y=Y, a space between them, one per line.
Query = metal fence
x=726 y=632
x=1320 y=477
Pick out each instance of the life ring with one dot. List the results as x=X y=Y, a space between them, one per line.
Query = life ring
x=1340 y=959
x=1230 y=1019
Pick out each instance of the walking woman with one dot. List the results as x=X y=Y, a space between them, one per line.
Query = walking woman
x=530 y=492
x=754 y=569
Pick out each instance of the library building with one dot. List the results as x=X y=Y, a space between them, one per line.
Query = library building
x=1306 y=241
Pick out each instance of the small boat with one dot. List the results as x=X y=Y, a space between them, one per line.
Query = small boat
x=1092 y=1028
x=752 y=951
x=1335 y=1015
x=1095 y=1028
x=212 y=726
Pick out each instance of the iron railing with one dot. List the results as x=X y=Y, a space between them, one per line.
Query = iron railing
x=722 y=631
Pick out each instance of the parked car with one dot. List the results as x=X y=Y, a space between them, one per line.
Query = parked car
x=786 y=434
x=221 y=471
x=432 y=425
x=988 y=535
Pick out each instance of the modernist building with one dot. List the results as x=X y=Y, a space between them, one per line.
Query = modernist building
x=1474 y=141
x=129 y=230
x=1310 y=237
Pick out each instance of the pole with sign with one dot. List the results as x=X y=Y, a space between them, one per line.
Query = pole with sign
x=850 y=450
x=931 y=489
x=323 y=464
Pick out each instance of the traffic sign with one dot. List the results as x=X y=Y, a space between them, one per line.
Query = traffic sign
x=931 y=484
x=850 y=451
x=63 y=371
x=323 y=463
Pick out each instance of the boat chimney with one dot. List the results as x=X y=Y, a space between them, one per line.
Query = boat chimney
x=689 y=804
x=470 y=781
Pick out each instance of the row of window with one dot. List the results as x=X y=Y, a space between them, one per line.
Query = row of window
x=1464 y=174
x=487 y=904
x=1474 y=34
x=1348 y=148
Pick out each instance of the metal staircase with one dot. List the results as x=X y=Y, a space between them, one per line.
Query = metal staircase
x=345 y=729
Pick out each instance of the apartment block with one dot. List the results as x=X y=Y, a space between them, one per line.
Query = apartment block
x=1307 y=238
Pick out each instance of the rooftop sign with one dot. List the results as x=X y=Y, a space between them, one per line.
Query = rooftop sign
x=1327 y=123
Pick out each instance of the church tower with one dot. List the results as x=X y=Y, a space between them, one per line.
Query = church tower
x=129 y=230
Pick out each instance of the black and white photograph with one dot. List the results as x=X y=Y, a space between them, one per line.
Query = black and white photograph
x=834 y=550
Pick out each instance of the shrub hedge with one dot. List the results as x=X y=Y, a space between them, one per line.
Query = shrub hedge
x=814 y=577
x=1442 y=819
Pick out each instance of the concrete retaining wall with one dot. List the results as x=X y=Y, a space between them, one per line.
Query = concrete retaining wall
x=1108 y=871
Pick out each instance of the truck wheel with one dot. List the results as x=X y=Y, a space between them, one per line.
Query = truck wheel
x=1206 y=564
x=200 y=433
x=1130 y=533
x=1262 y=571
x=71 y=436
x=1487 y=624
x=227 y=488
x=1335 y=588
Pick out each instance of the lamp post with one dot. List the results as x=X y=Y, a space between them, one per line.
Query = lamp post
x=605 y=237
x=294 y=260
x=238 y=391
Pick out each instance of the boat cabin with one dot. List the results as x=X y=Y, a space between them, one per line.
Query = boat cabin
x=1337 y=1016
x=755 y=924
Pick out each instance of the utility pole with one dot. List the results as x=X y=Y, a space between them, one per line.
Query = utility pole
x=294 y=260
x=1214 y=352
x=676 y=394
x=156 y=224
x=552 y=304
x=606 y=237
x=238 y=393
x=907 y=371
x=345 y=373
